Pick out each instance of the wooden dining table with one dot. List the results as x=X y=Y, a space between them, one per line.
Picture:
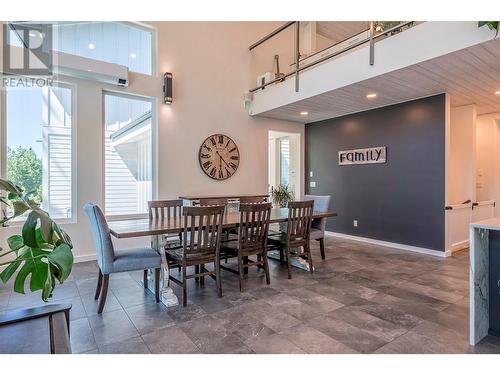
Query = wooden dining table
x=157 y=228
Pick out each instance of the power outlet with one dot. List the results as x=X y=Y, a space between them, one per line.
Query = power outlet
x=312 y=184
x=310 y=173
x=355 y=223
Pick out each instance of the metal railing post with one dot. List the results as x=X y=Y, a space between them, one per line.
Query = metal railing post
x=372 y=43
x=297 y=55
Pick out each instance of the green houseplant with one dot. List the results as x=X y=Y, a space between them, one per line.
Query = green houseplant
x=492 y=25
x=42 y=250
x=281 y=195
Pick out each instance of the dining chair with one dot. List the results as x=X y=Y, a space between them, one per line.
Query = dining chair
x=297 y=234
x=252 y=239
x=201 y=238
x=167 y=210
x=245 y=200
x=318 y=226
x=111 y=260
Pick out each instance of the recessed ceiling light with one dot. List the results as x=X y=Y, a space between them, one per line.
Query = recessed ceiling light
x=371 y=96
x=304 y=113
x=133 y=55
x=497 y=92
x=91 y=46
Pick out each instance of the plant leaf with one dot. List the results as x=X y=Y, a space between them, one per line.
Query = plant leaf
x=63 y=236
x=61 y=258
x=10 y=187
x=7 y=273
x=20 y=207
x=36 y=267
x=15 y=242
x=29 y=230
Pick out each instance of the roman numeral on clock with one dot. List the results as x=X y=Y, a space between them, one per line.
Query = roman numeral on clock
x=207 y=164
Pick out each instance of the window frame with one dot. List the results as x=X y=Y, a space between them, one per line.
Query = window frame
x=154 y=149
x=3 y=148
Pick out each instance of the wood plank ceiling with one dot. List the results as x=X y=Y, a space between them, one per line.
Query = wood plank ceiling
x=470 y=76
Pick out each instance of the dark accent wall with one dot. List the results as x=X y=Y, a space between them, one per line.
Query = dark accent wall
x=401 y=201
x=494 y=282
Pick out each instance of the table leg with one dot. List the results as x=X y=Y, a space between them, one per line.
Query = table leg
x=167 y=296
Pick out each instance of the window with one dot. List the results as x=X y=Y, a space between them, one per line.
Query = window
x=39 y=145
x=128 y=154
x=284 y=145
x=112 y=42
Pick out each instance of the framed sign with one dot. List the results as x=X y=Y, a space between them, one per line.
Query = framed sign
x=373 y=155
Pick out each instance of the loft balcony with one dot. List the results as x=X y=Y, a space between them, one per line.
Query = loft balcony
x=397 y=63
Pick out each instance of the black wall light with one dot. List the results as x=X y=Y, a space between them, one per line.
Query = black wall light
x=167 y=88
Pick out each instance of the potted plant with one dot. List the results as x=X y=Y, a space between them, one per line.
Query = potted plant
x=42 y=250
x=492 y=25
x=280 y=197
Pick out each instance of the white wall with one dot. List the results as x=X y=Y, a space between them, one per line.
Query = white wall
x=210 y=63
x=488 y=159
x=461 y=164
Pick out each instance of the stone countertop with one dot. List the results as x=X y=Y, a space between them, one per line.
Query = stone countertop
x=493 y=224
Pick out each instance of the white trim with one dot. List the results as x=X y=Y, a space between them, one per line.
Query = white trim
x=394 y=245
x=84 y=258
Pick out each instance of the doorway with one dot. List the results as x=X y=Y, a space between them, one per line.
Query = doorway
x=284 y=161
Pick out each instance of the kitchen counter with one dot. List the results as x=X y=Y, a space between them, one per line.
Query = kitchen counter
x=484 y=278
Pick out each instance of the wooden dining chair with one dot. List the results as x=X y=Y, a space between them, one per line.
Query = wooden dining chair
x=252 y=239
x=165 y=209
x=201 y=238
x=245 y=200
x=298 y=233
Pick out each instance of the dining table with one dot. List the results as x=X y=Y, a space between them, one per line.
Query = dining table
x=157 y=228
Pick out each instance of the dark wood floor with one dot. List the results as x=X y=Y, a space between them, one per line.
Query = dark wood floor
x=362 y=299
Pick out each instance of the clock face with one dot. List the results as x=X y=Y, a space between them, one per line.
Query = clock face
x=219 y=156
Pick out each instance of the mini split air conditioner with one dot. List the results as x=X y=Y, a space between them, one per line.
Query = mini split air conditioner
x=95 y=70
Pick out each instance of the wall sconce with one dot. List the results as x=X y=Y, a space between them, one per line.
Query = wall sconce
x=167 y=88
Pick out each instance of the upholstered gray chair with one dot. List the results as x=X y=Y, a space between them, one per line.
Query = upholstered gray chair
x=318 y=226
x=113 y=261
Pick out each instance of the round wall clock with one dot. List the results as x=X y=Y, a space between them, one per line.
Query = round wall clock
x=219 y=156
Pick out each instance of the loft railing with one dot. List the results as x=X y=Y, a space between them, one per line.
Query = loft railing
x=370 y=35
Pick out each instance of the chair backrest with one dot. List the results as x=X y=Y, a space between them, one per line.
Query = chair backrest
x=245 y=200
x=102 y=237
x=254 y=226
x=213 y=201
x=299 y=221
x=202 y=231
x=165 y=209
x=321 y=203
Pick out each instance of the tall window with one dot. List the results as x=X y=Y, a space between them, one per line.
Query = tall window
x=112 y=42
x=128 y=155
x=284 y=146
x=39 y=145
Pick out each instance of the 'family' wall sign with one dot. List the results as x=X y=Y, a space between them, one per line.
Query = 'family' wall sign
x=371 y=155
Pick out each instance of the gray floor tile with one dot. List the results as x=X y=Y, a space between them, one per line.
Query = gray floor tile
x=112 y=327
x=149 y=317
x=273 y=344
x=82 y=337
x=91 y=305
x=170 y=340
x=134 y=345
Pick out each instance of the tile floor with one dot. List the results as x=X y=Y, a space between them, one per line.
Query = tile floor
x=362 y=299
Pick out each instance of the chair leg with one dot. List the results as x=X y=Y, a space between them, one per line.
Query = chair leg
x=202 y=278
x=104 y=293
x=240 y=272
x=288 y=264
x=322 y=247
x=196 y=270
x=266 y=268
x=217 y=278
x=309 y=257
x=99 y=286
x=157 y=284
x=184 y=287
x=145 y=279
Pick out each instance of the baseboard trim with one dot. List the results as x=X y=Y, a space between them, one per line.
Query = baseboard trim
x=84 y=258
x=456 y=247
x=393 y=245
